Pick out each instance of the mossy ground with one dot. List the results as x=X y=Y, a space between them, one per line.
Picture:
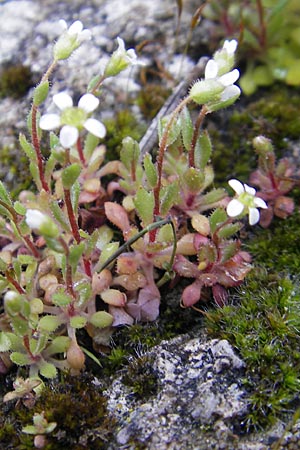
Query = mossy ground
x=263 y=323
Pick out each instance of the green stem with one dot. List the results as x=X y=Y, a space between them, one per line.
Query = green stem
x=132 y=240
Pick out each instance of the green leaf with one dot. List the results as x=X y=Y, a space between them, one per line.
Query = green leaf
x=60 y=344
x=144 y=204
x=203 y=150
x=150 y=170
x=30 y=429
x=107 y=251
x=20 y=326
x=92 y=356
x=216 y=219
x=169 y=197
x=75 y=254
x=38 y=345
x=48 y=370
x=229 y=230
x=229 y=251
x=187 y=128
x=78 y=322
x=70 y=174
x=101 y=319
x=21 y=359
x=27 y=147
x=4 y=195
x=173 y=129
x=130 y=153
x=5 y=343
x=59 y=215
x=40 y=93
x=20 y=208
x=49 y=323
x=61 y=299
x=90 y=144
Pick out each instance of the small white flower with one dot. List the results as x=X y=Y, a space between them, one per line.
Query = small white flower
x=40 y=222
x=70 y=39
x=121 y=59
x=73 y=119
x=76 y=29
x=246 y=202
x=35 y=218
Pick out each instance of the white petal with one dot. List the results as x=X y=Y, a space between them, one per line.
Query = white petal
x=260 y=203
x=88 y=102
x=237 y=186
x=95 y=127
x=85 y=35
x=68 y=136
x=63 y=24
x=230 y=46
x=211 y=69
x=230 y=92
x=229 y=78
x=121 y=45
x=234 y=208
x=49 y=121
x=34 y=218
x=62 y=100
x=249 y=189
x=253 y=216
x=131 y=54
x=75 y=28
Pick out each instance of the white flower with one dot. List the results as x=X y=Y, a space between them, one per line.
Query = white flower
x=70 y=39
x=36 y=220
x=121 y=59
x=73 y=119
x=245 y=203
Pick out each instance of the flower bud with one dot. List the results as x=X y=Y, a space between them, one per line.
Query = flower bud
x=204 y=91
x=75 y=356
x=38 y=221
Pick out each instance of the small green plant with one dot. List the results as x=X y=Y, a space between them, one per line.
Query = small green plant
x=92 y=246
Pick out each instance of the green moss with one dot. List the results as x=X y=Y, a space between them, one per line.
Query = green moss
x=264 y=324
x=151 y=98
x=78 y=408
x=278 y=247
x=122 y=125
x=140 y=376
x=14 y=170
x=273 y=114
x=15 y=80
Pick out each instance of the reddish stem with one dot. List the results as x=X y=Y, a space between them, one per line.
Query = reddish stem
x=263 y=31
x=87 y=267
x=159 y=161
x=80 y=152
x=69 y=278
x=36 y=145
x=71 y=215
x=14 y=282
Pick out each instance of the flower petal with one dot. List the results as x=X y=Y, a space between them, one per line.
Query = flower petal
x=62 y=100
x=230 y=46
x=95 y=127
x=234 y=208
x=211 y=69
x=253 y=216
x=121 y=45
x=85 y=35
x=49 y=122
x=75 y=28
x=237 y=186
x=68 y=136
x=250 y=190
x=88 y=102
x=230 y=92
x=260 y=203
x=229 y=78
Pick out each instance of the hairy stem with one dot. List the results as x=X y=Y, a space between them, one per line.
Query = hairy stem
x=37 y=148
x=71 y=215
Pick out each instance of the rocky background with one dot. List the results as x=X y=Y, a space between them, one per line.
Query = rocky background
x=198 y=402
